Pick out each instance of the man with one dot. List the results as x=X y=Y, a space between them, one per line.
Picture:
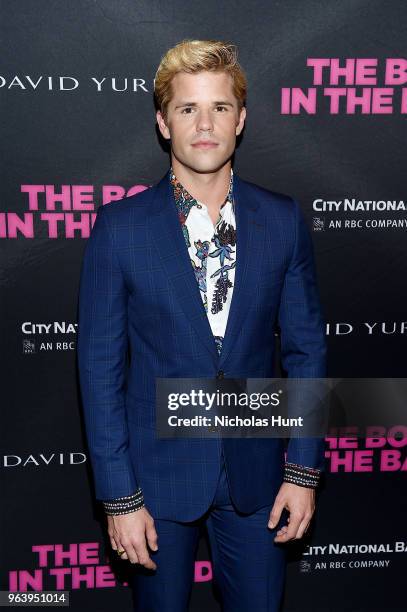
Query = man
x=158 y=276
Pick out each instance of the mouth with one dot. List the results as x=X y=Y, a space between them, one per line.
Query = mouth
x=205 y=144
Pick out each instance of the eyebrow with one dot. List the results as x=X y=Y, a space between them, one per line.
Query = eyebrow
x=216 y=103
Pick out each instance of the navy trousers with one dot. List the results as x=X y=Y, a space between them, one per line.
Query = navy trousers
x=248 y=566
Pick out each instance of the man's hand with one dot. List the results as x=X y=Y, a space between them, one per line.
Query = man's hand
x=300 y=502
x=130 y=532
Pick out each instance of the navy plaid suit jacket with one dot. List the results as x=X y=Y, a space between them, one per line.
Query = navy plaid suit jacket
x=139 y=298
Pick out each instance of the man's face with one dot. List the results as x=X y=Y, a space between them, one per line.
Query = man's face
x=203 y=109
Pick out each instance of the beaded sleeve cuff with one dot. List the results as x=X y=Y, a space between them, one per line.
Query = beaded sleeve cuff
x=301 y=475
x=124 y=505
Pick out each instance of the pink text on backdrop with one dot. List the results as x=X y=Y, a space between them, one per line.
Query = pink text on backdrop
x=380 y=449
x=65 y=212
x=349 y=86
x=76 y=566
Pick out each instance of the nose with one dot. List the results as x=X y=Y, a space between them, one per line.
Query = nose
x=204 y=121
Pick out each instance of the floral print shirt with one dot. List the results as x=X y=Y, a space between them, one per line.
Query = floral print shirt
x=212 y=251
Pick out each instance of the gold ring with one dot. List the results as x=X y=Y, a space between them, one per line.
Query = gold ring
x=120 y=552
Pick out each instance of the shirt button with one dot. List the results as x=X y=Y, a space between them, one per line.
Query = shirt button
x=220 y=374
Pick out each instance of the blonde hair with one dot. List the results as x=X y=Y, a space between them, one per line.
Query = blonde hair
x=195 y=56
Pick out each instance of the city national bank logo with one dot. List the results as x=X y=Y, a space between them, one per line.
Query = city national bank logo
x=28 y=347
x=318 y=224
x=351 y=556
x=353 y=214
x=55 y=328
x=305 y=567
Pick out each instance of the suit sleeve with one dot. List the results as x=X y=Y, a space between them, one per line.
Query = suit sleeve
x=303 y=346
x=102 y=354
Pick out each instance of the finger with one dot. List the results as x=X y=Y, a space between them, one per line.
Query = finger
x=302 y=528
x=143 y=556
x=130 y=553
x=152 y=537
x=291 y=531
x=113 y=543
x=117 y=545
x=275 y=514
x=124 y=554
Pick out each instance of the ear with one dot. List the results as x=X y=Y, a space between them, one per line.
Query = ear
x=242 y=117
x=163 y=126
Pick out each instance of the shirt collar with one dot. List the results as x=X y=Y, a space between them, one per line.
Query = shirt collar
x=185 y=201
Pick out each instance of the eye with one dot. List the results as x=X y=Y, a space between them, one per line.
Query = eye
x=187 y=108
x=221 y=106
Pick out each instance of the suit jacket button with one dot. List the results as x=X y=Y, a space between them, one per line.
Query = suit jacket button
x=220 y=374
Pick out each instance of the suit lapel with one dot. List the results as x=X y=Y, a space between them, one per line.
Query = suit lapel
x=165 y=230
x=250 y=239
x=166 y=233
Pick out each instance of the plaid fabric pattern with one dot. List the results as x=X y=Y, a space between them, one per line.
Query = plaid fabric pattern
x=138 y=291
